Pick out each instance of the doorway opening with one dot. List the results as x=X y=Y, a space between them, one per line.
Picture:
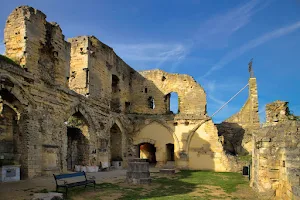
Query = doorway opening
x=12 y=141
x=77 y=151
x=147 y=151
x=170 y=152
x=115 y=143
x=78 y=143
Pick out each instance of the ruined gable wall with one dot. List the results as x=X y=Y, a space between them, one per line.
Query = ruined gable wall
x=37 y=45
x=158 y=84
x=237 y=129
x=248 y=115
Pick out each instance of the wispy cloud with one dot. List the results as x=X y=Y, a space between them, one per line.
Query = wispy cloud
x=215 y=31
x=157 y=53
x=252 y=44
x=218 y=27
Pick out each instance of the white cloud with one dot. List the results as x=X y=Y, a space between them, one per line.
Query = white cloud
x=219 y=26
x=252 y=44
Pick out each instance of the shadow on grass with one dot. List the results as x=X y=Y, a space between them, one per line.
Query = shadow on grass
x=180 y=186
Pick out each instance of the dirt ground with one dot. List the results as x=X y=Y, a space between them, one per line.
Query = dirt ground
x=24 y=189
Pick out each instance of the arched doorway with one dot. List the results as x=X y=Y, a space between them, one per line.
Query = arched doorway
x=78 y=141
x=116 y=144
x=12 y=149
x=148 y=151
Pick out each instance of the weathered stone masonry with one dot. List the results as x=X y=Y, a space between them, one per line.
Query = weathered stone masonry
x=77 y=102
x=276 y=154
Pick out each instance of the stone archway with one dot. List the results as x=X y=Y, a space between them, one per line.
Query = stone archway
x=78 y=145
x=12 y=140
x=158 y=135
x=116 y=143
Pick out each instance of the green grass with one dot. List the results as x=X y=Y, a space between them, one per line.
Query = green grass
x=182 y=186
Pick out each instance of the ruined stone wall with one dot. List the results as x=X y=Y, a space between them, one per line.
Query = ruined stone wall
x=103 y=64
x=202 y=152
x=275 y=112
x=276 y=157
x=248 y=115
x=42 y=97
x=42 y=121
x=237 y=129
x=159 y=84
x=106 y=93
x=37 y=45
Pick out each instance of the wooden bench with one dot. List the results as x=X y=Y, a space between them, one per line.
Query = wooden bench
x=67 y=185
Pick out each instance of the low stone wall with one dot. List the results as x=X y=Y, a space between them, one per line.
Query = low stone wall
x=276 y=160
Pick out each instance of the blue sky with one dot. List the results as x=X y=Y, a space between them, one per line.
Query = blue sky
x=213 y=41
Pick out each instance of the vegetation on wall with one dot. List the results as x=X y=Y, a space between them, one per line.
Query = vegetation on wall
x=291 y=116
x=8 y=60
x=74 y=121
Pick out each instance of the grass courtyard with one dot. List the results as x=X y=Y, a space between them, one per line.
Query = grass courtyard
x=184 y=185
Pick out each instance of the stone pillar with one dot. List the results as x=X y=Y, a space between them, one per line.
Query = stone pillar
x=138 y=171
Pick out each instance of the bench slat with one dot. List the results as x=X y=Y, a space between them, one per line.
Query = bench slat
x=62 y=176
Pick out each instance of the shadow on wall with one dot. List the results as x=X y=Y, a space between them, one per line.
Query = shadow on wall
x=233 y=135
x=200 y=155
x=12 y=140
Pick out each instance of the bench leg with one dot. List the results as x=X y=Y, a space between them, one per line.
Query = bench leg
x=66 y=192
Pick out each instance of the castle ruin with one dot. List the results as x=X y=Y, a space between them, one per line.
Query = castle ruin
x=65 y=103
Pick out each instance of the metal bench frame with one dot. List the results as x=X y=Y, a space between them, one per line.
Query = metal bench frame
x=67 y=185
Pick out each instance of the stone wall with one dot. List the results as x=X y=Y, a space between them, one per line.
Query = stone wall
x=37 y=45
x=159 y=84
x=237 y=129
x=53 y=81
x=276 y=155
